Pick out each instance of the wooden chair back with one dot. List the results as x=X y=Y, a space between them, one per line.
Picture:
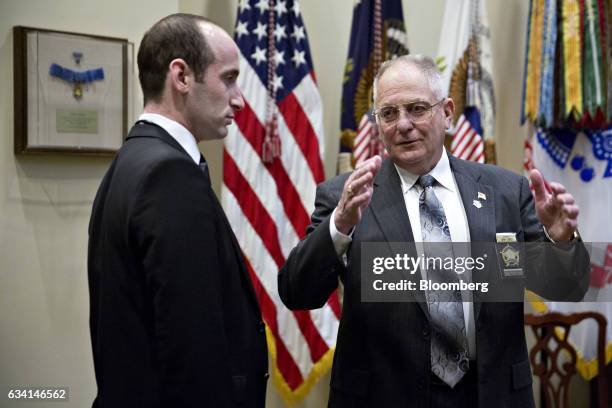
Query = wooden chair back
x=553 y=343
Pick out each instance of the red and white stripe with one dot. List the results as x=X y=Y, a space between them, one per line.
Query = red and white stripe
x=467 y=144
x=268 y=206
x=362 y=147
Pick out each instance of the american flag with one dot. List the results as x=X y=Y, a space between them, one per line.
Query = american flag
x=271 y=167
x=467 y=143
x=367 y=141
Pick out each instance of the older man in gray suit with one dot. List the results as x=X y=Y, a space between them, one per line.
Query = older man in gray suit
x=423 y=354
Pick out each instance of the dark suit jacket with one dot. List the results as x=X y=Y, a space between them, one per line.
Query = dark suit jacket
x=382 y=356
x=174 y=318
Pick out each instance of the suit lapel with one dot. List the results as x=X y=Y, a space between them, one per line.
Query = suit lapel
x=479 y=204
x=478 y=201
x=147 y=129
x=388 y=205
x=240 y=259
x=389 y=209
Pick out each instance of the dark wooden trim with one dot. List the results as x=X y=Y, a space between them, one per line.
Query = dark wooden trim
x=93 y=36
x=595 y=387
x=20 y=83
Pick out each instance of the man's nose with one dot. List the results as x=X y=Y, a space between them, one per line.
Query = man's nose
x=237 y=101
x=404 y=121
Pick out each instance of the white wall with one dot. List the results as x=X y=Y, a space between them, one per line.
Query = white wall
x=45 y=201
x=44 y=211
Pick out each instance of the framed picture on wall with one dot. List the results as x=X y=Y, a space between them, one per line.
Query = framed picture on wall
x=71 y=92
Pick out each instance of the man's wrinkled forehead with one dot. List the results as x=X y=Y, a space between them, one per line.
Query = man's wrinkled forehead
x=395 y=77
x=400 y=71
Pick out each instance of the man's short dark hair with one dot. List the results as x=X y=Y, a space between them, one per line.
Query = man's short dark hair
x=175 y=36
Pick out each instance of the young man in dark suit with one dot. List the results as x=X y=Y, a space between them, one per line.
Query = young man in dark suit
x=427 y=352
x=174 y=318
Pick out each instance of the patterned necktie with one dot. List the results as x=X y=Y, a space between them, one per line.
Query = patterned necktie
x=449 y=359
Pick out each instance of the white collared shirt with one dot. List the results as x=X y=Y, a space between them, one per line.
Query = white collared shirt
x=179 y=132
x=448 y=194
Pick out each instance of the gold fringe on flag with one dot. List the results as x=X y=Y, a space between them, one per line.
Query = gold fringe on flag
x=572 y=58
x=534 y=62
x=289 y=396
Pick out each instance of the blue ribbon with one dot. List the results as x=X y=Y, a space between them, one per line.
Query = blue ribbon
x=546 y=103
x=69 y=75
x=526 y=66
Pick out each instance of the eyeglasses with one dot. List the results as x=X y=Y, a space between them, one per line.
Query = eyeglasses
x=416 y=112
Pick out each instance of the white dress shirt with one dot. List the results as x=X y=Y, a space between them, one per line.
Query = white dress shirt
x=448 y=194
x=179 y=132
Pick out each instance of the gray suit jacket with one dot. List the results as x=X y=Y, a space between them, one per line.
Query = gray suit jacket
x=383 y=350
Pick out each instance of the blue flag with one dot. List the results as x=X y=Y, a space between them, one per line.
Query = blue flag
x=359 y=140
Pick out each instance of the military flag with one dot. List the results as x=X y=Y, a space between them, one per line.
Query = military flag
x=566 y=99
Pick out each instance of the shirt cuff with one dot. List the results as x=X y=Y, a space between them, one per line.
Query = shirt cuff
x=573 y=238
x=340 y=240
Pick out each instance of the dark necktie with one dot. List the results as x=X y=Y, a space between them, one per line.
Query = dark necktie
x=449 y=359
x=204 y=168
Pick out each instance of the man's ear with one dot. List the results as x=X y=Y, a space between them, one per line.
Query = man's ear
x=449 y=112
x=180 y=75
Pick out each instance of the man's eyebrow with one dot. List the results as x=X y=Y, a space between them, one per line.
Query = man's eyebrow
x=407 y=103
x=416 y=101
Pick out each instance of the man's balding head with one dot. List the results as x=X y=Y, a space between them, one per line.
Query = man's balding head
x=426 y=65
x=181 y=36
